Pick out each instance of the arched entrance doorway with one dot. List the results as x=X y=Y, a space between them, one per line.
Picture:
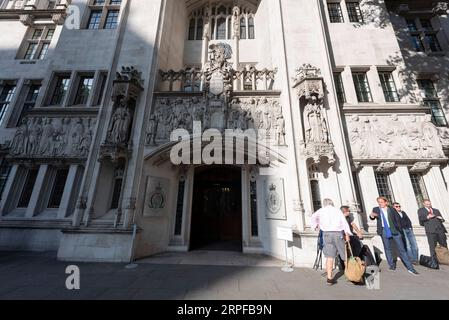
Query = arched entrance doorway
x=217 y=209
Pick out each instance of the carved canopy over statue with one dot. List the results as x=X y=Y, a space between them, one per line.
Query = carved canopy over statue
x=317 y=144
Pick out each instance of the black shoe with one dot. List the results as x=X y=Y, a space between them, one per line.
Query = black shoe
x=331 y=282
x=414 y=272
x=393 y=268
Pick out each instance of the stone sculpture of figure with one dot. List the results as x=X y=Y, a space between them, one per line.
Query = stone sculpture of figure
x=120 y=124
x=47 y=137
x=78 y=131
x=242 y=120
x=431 y=141
x=280 y=127
x=35 y=133
x=87 y=139
x=356 y=137
x=315 y=123
x=415 y=137
x=236 y=21
x=399 y=136
x=17 y=146
x=152 y=130
x=206 y=119
x=206 y=28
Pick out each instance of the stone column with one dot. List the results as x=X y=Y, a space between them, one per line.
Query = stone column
x=246 y=212
x=67 y=195
x=38 y=191
x=445 y=171
x=437 y=191
x=8 y=192
x=375 y=86
x=403 y=192
x=369 y=191
x=348 y=84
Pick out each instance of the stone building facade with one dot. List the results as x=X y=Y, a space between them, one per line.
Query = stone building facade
x=102 y=100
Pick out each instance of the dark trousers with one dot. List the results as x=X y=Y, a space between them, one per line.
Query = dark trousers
x=400 y=246
x=434 y=239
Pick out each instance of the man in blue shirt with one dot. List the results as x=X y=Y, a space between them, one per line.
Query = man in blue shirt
x=389 y=228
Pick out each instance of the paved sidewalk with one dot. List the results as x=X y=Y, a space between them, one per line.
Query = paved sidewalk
x=40 y=276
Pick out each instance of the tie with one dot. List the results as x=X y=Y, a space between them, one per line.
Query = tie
x=386 y=227
x=431 y=211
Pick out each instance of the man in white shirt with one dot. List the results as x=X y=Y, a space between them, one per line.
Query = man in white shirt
x=335 y=229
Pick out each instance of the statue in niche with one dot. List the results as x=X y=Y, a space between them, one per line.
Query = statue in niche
x=17 y=146
x=315 y=123
x=236 y=21
x=120 y=124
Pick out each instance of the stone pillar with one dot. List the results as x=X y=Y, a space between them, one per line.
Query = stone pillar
x=437 y=191
x=246 y=212
x=445 y=171
x=368 y=188
x=8 y=192
x=67 y=195
x=38 y=191
x=403 y=192
x=375 y=86
x=348 y=83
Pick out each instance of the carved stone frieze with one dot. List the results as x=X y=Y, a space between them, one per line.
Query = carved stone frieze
x=53 y=137
x=263 y=114
x=394 y=137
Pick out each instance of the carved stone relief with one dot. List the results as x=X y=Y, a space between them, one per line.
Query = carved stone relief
x=394 y=137
x=53 y=137
x=259 y=113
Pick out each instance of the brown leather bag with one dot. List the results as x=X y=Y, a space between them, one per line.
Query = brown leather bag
x=442 y=254
x=355 y=267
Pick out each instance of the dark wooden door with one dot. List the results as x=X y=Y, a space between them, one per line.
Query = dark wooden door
x=217 y=207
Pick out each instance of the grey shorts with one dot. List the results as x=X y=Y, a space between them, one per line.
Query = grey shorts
x=334 y=243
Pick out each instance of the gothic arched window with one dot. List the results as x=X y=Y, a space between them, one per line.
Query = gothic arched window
x=243 y=28
x=199 y=29
x=221 y=20
x=221 y=29
x=251 y=28
x=192 y=29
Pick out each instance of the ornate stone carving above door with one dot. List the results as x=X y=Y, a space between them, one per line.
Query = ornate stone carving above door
x=258 y=113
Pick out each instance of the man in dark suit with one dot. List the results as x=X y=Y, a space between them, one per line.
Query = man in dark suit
x=432 y=221
x=389 y=228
